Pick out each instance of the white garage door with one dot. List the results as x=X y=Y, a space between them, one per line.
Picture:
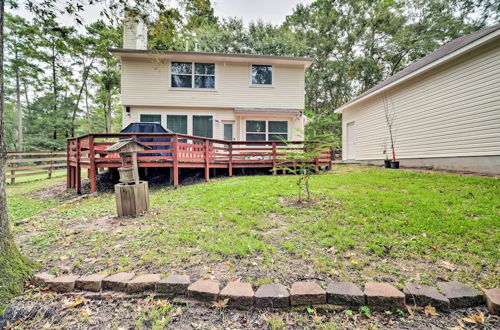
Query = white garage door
x=351 y=141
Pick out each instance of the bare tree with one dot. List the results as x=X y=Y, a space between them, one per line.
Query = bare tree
x=390 y=117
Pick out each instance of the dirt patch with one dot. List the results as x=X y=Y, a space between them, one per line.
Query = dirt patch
x=45 y=310
x=57 y=192
x=429 y=170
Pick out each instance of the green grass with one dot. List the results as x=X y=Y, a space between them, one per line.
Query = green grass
x=363 y=224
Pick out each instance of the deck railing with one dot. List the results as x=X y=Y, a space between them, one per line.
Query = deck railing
x=26 y=164
x=177 y=151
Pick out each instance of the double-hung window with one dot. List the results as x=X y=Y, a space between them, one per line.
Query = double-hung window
x=262 y=75
x=266 y=130
x=192 y=75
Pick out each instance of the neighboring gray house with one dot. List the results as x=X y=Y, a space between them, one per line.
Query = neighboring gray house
x=446 y=107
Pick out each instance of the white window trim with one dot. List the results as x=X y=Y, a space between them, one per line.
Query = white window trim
x=252 y=85
x=267 y=120
x=192 y=88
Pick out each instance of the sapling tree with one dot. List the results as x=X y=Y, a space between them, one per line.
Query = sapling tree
x=302 y=161
x=390 y=117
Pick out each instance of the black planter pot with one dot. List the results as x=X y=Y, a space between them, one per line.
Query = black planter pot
x=387 y=163
x=395 y=164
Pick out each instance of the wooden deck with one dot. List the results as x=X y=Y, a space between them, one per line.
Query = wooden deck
x=179 y=151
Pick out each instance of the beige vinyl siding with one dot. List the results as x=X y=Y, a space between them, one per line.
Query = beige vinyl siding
x=221 y=116
x=146 y=82
x=450 y=111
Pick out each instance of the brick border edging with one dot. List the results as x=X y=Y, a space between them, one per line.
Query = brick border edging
x=239 y=294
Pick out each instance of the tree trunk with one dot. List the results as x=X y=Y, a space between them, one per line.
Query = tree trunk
x=77 y=103
x=54 y=87
x=87 y=109
x=19 y=111
x=5 y=235
x=108 y=113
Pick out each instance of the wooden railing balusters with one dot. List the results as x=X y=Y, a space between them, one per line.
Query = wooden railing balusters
x=78 y=170
x=230 y=146
x=274 y=158
x=207 y=160
x=93 y=172
x=175 y=154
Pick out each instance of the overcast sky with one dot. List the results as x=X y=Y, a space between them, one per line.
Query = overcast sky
x=272 y=11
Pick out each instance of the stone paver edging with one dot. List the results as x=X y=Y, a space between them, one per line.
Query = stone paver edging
x=375 y=295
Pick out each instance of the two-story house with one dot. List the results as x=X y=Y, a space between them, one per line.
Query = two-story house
x=222 y=96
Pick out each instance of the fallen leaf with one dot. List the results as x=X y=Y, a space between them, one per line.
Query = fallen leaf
x=444 y=278
x=469 y=320
x=235 y=280
x=430 y=310
x=221 y=303
x=73 y=304
x=161 y=303
x=447 y=265
x=475 y=318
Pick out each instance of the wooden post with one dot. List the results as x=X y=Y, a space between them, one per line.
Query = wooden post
x=135 y=167
x=207 y=160
x=93 y=174
x=12 y=174
x=78 y=171
x=230 y=146
x=175 y=154
x=51 y=163
x=68 y=168
x=274 y=158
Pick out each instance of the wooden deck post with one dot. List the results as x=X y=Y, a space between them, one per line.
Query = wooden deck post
x=93 y=174
x=274 y=158
x=175 y=161
x=78 y=170
x=68 y=167
x=207 y=160
x=230 y=165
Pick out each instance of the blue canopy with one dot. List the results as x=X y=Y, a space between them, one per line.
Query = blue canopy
x=149 y=128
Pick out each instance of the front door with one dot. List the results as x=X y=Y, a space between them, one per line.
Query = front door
x=351 y=140
x=228 y=132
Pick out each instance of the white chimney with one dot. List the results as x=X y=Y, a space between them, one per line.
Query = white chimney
x=135 y=32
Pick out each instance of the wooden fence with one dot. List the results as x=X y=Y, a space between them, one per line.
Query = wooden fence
x=26 y=164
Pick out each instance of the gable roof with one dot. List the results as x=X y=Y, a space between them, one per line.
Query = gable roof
x=216 y=57
x=441 y=55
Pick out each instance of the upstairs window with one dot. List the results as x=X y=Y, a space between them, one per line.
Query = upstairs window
x=262 y=74
x=192 y=75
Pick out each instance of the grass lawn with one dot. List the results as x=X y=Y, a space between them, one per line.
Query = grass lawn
x=363 y=224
